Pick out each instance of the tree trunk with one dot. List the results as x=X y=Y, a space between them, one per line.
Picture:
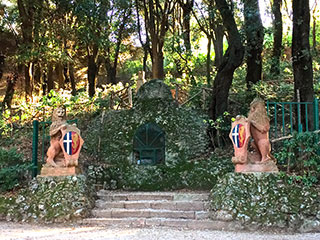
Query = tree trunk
x=186 y=14
x=72 y=79
x=65 y=73
x=2 y=61
x=111 y=74
x=92 y=68
x=157 y=64
x=50 y=77
x=277 y=37
x=28 y=80
x=218 y=45
x=44 y=83
x=11 y=83
x=37 y=78
x=59 y=73
x=157 y=23
x=254 y=34
x=208 y=62
x=231 y=60
x=301 y=57
x=26 y=13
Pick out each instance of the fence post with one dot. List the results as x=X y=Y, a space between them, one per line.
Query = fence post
x=316 y=113
x=35 y=148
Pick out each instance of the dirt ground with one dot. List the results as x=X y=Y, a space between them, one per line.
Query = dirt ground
x=24 y=231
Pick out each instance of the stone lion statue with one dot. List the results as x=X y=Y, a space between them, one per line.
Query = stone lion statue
x=55 y=155
x=259 y=128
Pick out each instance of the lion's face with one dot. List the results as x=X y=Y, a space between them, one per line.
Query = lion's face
x=59 y=114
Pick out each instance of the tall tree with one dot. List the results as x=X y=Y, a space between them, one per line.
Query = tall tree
x=157 y=13
x=209 y=22
x=144 y=43
x=254 y=34
x=26 y=13
x=301 y=56
x=232 y=59
x=277 y=37
x=187 y=6
x=93 y=29
x=121 y=29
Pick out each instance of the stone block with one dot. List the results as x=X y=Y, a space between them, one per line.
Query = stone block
x=207 y=224
x=201 y=215
x=136 y=205
x=138 y=222
x=153 y=222
x=174 y=223
x=120 y=213
x=107 y=205
x=191 y=197
x=190 y=206
x=48 y=171
x=172 y=214
x=168 y=205
x=101 y=213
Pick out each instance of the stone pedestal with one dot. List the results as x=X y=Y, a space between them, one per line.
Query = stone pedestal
x=269 y=167
x=48 y=171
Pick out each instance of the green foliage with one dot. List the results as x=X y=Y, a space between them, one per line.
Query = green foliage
x=12 y=169
x=173 y=175
x=5 y=127
x=301 y=156
x=9 y=157
x=265 y=200
x=11 y=177
x=4 y=202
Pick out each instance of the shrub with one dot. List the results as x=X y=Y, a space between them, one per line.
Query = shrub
x=300 y=155
x=172 y=175
x=12 y=169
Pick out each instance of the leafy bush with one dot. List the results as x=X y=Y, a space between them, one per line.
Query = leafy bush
x=300 y=155
x=12 y=169
x=9 y=157
x=172 y=175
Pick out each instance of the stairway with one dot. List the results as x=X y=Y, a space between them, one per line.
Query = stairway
x=148 y=209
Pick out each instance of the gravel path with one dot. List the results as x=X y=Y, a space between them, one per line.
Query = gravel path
x=18 y=231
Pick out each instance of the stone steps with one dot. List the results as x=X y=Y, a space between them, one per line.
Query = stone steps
x=155 y=204
x=163 y=222
x=148 y=213
x=146 y=209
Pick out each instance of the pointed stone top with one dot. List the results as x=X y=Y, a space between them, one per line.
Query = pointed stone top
x=154 y=89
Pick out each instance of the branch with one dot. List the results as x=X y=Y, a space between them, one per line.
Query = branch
x=288 y=137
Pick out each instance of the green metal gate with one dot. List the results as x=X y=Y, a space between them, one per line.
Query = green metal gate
x=149 y=145
x=285 y=115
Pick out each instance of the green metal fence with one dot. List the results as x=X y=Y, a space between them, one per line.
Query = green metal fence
x=43 y=129
x=286 y=117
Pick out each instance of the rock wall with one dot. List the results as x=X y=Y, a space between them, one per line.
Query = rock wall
x=263 y=200
x=110 y=136
x=50 y=199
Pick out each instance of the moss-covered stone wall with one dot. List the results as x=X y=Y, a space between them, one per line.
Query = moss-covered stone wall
x=266 y=200
x=49 y=199
x=110 y=136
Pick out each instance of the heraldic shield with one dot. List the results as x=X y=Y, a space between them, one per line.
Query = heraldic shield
x=71 y=143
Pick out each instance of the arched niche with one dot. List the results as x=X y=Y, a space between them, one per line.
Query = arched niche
x=149 y=145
